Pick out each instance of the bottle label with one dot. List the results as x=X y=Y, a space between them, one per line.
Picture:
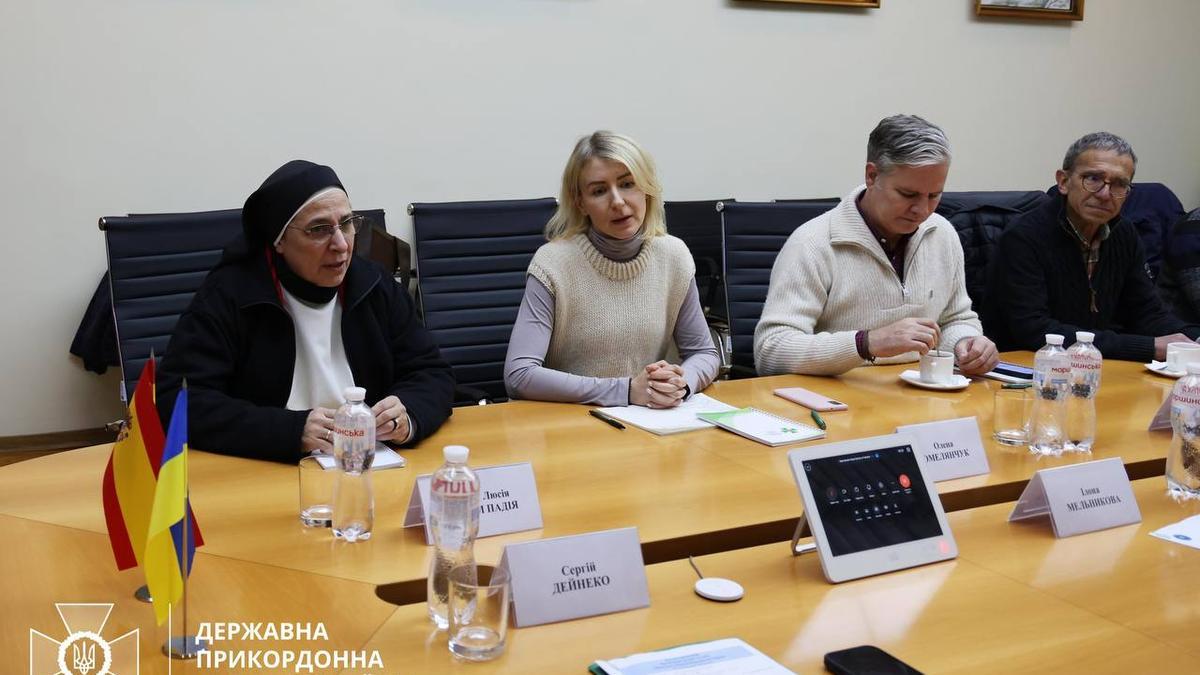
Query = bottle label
x=349 y=432
x=453 y=487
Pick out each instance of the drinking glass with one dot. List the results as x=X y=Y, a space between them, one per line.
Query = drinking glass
x=1010 y=416
x=478 y=610
x=316 y=492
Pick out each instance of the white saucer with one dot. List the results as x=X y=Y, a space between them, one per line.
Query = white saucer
x=956 y=382
x=1160 y=368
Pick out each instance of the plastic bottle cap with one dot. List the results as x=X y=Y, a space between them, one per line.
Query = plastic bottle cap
x=456 y=453
x=1053 y=339
x=354 y=394
x=1084 y=336
x=1193 y=368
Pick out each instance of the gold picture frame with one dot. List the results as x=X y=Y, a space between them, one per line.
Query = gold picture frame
x=1062 y=10
x=873 y=4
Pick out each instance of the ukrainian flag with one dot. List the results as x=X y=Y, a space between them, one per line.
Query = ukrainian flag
x=163 y=561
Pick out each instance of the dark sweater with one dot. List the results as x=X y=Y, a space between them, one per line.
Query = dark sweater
x=1038 y=284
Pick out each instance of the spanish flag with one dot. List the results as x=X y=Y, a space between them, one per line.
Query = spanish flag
x=163 y=561
x=131 y=474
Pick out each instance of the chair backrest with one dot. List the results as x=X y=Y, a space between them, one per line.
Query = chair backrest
x=1153 y=209
x=979 y=218
x=377 y=245
x=156 y=262
x=752 y=235
x=471 y=264
x=698 y=224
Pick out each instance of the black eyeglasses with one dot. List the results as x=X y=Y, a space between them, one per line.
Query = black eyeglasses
x=1094 y=182
x=321 y=234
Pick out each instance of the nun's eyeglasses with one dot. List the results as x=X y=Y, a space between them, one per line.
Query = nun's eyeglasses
x=321 y=234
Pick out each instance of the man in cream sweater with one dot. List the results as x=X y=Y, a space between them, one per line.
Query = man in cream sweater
x=879 y=278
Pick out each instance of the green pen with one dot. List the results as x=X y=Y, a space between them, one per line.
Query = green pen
x=817 y=418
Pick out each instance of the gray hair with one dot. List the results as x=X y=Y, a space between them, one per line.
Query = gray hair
x=907 y=140
x=1099 y=140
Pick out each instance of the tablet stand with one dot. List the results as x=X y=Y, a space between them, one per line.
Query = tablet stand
x=797 y=547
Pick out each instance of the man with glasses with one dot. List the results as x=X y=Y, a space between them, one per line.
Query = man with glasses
x=1074 y=264
x=287 y=320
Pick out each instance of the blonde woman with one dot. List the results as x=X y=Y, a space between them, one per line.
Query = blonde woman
x=611 y=315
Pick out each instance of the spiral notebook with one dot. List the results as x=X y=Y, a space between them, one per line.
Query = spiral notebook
x=763 y=427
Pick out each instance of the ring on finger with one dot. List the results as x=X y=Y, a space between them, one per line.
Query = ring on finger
x=395 y=424
x=328 y=435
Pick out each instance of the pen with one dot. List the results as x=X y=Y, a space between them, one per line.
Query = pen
x=606 y=419
x=817 y=418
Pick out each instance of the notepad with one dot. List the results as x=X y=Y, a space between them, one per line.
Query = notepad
x=763 y=426
x=682 y=417
x=385 y=458
x=729 y=656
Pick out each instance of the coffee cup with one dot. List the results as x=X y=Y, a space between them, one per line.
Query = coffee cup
x=1179 y=354
x=938 y=367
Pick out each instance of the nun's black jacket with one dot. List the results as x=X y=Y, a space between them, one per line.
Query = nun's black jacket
x=236 y=347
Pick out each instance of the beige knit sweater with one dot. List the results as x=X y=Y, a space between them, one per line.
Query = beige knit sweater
x=831 y=279
x=612 y=318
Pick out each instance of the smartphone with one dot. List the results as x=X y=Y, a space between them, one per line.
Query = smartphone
x=866 y=660
x=810 y=399
x=1013 y=370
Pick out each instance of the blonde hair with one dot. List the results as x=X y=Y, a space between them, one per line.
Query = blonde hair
x=570 y=219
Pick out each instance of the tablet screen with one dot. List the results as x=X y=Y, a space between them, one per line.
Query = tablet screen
x=871 y=499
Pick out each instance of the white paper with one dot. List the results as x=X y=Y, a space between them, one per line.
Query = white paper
x=1081 y=497
x=508 y=501
x=669 y=420
x=1186 y=532
x=572 y=577
x=730 y=656
x=951 y=448
x=385 y=458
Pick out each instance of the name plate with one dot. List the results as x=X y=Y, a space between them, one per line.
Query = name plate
x=572 y=577
x=1162 y=417
x=1080 y=497
x=508 y=501
x=951 y=448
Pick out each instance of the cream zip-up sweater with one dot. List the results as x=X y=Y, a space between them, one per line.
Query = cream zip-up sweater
x=831 y=279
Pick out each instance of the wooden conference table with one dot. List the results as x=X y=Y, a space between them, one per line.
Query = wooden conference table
x=691 y=493
x=1016 y=600
x=699 y=492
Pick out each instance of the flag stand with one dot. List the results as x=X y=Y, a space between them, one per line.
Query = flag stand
x=142 y=594
x=185 y=647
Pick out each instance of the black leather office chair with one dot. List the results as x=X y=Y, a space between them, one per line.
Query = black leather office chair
x=752 y=234
x=155 y=263
x=980 y=218
x=471 y=263
x=698 y=224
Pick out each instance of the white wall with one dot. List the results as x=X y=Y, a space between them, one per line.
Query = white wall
x=153 y=105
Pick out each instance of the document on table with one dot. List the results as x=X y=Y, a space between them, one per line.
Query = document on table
x=730 y=656
x=669 y=420
x=385 y=458
x=1186 y=532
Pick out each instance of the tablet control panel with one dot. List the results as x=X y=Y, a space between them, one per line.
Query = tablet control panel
x=871 y=499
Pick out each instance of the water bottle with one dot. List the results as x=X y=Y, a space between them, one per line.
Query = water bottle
x=354 y=450
x=454 y=520
x=1085 y=362
x=1183 y=457
x=1051 y=379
